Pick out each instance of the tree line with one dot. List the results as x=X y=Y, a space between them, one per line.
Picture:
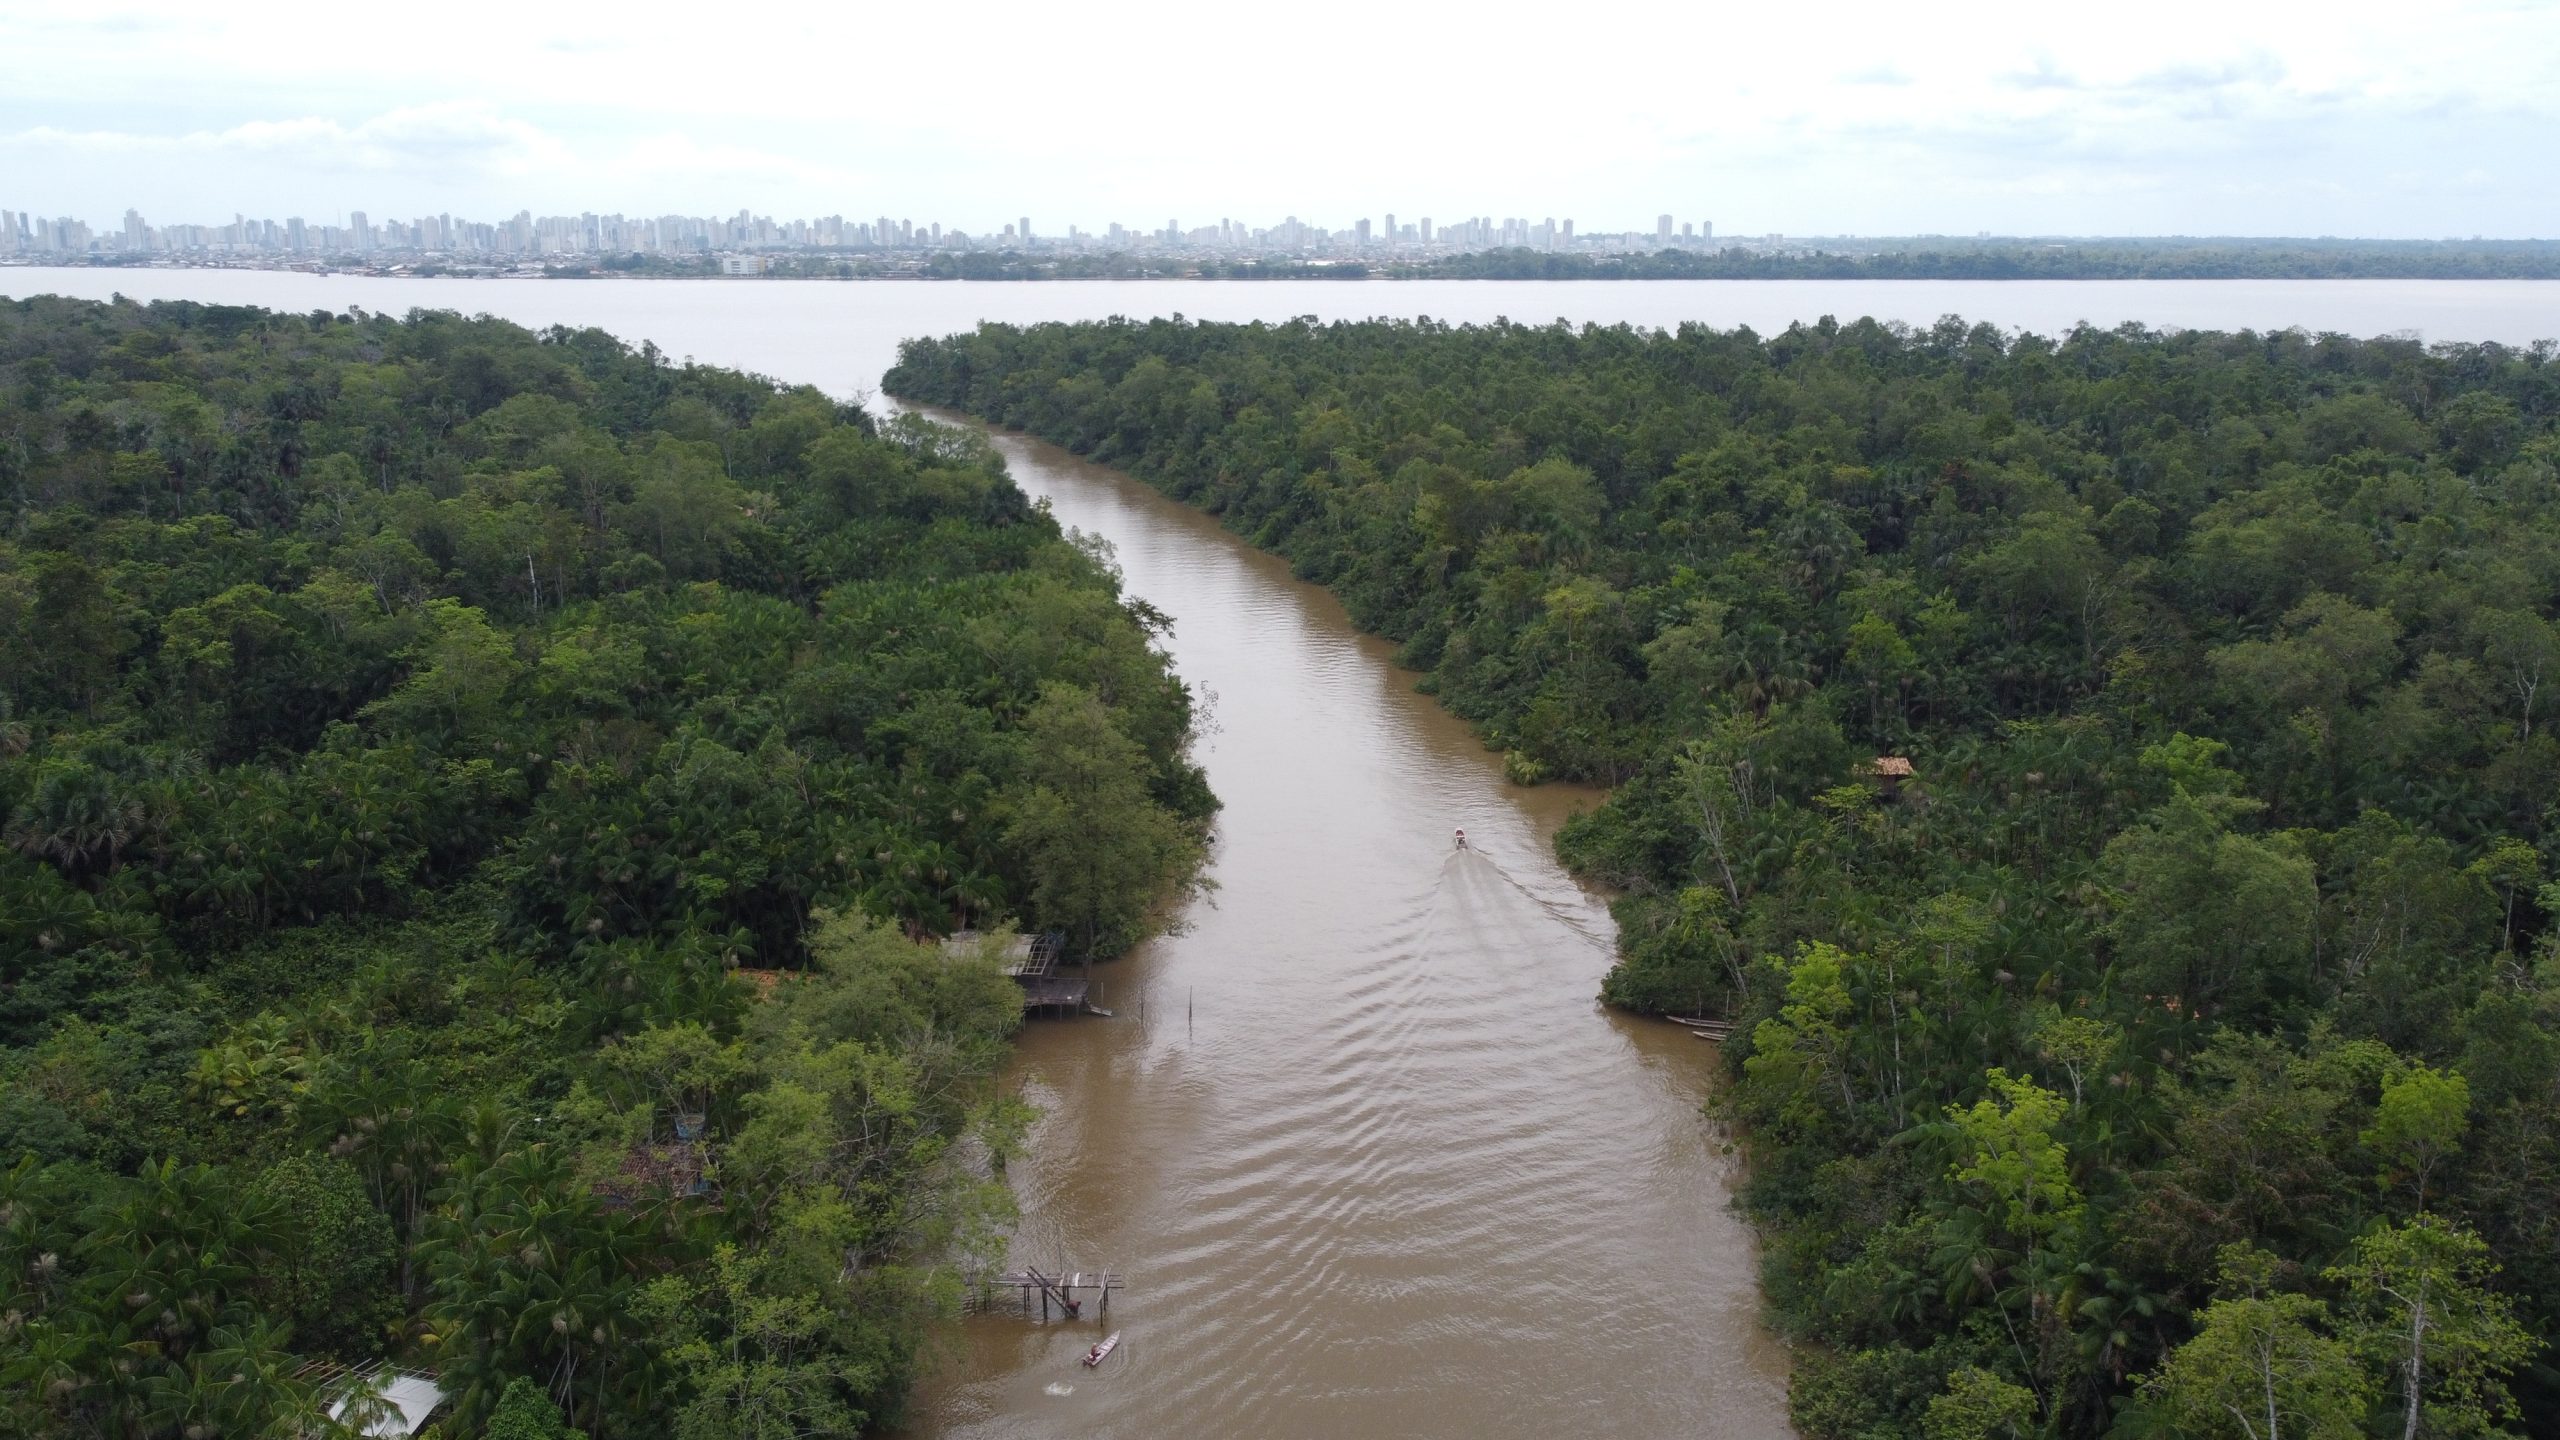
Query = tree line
x=2109 y=777
x=1934 y=258
x=479 y=807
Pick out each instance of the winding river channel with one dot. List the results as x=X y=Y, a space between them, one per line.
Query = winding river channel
x=1373 y=1160
x=1370 y=1157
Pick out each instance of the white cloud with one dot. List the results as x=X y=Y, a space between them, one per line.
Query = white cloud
x=466 y=134
x=1862 y=116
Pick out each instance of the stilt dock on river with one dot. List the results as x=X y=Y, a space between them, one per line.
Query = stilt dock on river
x=1055 y=992
x=1058 y=1289
x=1033 y=962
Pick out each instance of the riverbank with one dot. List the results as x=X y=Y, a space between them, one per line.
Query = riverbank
x=1848 y=259
x=449 y=803
x=1972 y=714
x=1357 y=1136
x=842 y=337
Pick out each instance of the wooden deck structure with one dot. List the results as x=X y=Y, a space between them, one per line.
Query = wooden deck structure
x=1058 y=1290
x=1037 y=964
x=1055 y=992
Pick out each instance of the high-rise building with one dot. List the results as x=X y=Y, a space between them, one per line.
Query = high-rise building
x=1426 y=229
x=1706 y=229
x=1022 y=227
x=1391 y=228
x=1662 y=230
x=1360 y=232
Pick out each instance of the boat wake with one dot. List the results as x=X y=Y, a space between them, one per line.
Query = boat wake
x=1471 y=862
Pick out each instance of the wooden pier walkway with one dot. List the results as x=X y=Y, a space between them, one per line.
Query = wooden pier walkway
x=1058 y=1289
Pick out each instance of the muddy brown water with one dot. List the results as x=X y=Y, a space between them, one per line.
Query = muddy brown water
x=1396 y=1174
x=1371 y=1158
x=1373 y=1161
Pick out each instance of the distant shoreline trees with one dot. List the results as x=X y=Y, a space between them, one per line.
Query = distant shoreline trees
x=1908 y=258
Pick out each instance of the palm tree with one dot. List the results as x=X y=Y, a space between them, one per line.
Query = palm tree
x=77 y=818
x=241 y=1383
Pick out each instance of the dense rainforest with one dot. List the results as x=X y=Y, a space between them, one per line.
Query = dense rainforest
x=476 y=806
x=2110 y=778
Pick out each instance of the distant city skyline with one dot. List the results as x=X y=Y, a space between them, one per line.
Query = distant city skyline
x=2201 y=117
x=524 y=233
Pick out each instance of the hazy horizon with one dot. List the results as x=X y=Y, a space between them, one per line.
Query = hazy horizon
x=2363 y=120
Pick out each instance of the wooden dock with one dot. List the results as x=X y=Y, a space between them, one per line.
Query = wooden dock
x=1058 y=1290
x=1037 y=964
x=1054 y=992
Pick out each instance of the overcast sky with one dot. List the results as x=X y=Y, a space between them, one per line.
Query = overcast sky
x=2224 y=117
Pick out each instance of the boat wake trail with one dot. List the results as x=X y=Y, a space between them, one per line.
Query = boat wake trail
x=1471 y=862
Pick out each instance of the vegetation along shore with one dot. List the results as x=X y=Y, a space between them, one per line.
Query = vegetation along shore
x=475 y=803
x=1927 y=257
x=2109 y=777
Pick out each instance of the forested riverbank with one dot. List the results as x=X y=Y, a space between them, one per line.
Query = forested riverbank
x=472 y=798
x=1988 y=258
x=1839 y=258
x=2188 y=1017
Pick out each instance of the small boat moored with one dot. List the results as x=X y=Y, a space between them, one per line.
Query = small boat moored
x=1099 y=1353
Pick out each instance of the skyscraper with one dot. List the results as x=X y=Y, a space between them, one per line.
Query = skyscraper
x=1662 y=230
x=1023 y=228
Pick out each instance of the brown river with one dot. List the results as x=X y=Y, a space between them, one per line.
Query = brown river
x=1370 y=1157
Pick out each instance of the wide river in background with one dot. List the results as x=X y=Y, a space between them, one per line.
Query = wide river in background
x=1370 y=1157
